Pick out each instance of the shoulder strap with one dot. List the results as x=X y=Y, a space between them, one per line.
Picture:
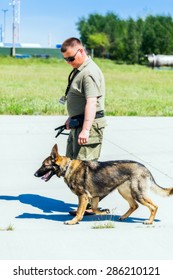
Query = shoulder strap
x=73 y=73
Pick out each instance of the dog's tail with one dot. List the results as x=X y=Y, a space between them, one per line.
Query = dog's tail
x=161 y=191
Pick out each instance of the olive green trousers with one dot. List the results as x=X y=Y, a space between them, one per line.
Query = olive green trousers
x=91 y=150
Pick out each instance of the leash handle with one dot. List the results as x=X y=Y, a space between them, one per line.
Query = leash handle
x=60 y=127
x=60 y=130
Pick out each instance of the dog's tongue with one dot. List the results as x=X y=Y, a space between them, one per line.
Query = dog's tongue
x=46 y=176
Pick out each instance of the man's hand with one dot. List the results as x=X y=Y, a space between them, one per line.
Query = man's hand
x=83 y=137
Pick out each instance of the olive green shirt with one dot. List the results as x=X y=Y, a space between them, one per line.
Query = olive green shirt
x=88 y=82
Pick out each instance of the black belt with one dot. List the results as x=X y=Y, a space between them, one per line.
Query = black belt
x=77 y=121
x=99 y=114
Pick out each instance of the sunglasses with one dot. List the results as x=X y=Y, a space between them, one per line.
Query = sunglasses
x=71 y=58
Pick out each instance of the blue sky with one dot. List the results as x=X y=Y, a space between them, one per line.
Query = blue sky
x=52 y=21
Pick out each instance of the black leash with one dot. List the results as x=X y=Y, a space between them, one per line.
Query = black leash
x=60 y=130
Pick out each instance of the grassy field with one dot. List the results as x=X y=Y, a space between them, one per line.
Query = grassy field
x=34 y=86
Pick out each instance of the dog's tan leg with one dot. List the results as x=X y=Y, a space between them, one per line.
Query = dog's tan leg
x=133 y=206
x=94 y=206
x=83 y=201
x=152 y=207
x=126 y=194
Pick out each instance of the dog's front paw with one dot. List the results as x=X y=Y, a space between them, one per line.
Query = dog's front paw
x=71 y=222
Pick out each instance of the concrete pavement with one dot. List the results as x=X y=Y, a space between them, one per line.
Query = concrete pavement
x=37 y=210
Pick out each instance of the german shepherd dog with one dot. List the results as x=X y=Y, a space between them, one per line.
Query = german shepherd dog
x=91 y=181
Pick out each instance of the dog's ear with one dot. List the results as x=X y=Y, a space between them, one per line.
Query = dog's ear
x=54 y=152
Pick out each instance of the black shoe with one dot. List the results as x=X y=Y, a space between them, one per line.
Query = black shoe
x=88 y=212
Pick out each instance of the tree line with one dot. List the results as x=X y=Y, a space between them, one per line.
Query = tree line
x=126 y=40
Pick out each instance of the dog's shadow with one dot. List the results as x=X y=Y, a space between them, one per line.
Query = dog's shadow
x=50 y=205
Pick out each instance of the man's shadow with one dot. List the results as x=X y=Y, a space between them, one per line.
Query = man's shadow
x=47 y=205
x=50 y=205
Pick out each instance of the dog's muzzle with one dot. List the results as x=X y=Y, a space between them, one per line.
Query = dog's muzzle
x=44 y=176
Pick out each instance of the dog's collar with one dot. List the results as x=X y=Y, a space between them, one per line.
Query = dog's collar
x=66 y=168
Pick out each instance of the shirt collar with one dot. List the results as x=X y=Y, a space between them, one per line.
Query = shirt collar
x=84 y=64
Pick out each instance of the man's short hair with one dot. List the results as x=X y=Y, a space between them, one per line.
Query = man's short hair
x=71 y=42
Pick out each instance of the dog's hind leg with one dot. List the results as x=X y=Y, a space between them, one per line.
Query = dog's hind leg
x=140 y=193
x=152 y=207
x=83 y=201
x=95 y=209
x=126 y=194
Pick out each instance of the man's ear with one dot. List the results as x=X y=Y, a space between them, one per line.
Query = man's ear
x=54 y=152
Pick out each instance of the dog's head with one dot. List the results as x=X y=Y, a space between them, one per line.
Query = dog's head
x=52 y=165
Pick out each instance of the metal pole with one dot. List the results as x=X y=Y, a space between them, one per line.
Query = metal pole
x=14 y=26
x=4 y=31
x=1 y=33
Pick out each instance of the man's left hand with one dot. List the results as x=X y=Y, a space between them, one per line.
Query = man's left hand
x=83 y=137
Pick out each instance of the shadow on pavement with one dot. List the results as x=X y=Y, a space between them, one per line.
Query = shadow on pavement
x=93 y=218
x=49 y=205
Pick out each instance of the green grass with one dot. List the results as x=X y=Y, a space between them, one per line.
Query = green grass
x=107 y=224
x=102 y=224
x=34 y=86
x=9 y=228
